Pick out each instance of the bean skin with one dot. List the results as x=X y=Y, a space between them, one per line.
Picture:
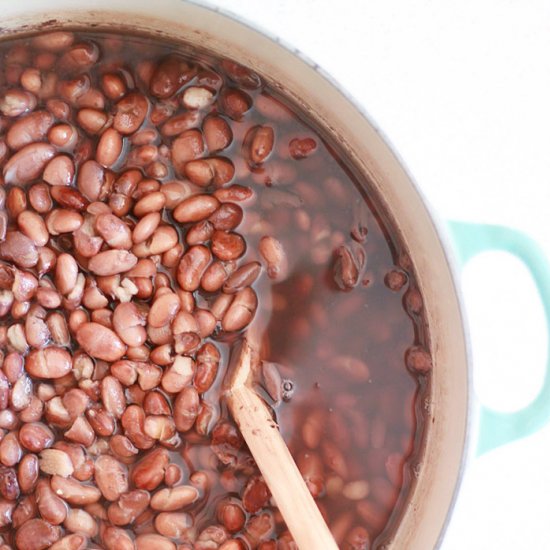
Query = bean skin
x=192 y=267
x=227 y=245
x=111 y=477
x=29 y=129
x=130 y=113
x=241 y=311
x=100 y=342
x=36 y=534
x=112 y=262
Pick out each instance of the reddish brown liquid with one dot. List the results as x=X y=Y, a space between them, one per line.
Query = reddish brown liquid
x=312 y=206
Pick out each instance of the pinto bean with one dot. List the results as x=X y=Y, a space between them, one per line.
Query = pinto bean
x=112 y=262
x=92 y=180
x=274 y=254
x=56 y=462
x=39 y=198
x=214 y=170
x=111 y=477
x=217 y=133
x=71 y=90
x=57 y=325
x=242 y=277
x=133 y=422
x=199 y=233
x=261 y=144
x=109 y=148
x=192 y=267
x=114 y=231
x=148 y=473
x=186 y=147
x=10 y=450
x=36 y=534
x=19 y=249
x=311 y=468
x=227 y=217
x=66 y=273
x=33 y=226
x=171 y=73
x=100 y=342
x=175 y=192
x=35 y=436
x=68 y=197
x=131 y=111
x=164 y=309
x=418 y=360
x=16 y=201
x=103 y=249
x=129 y=322
x=255 y=495
x=112 y=395
x=145 y=227
x=28 y=163
x=178 y=124
x=53 y=41
x=241 y=311
x=208 y=359
x=129 y=506
x=227 y=245
x=122 y=446
x=186 y=408
x=86 y=242
x=163 y=239
x=152 y=202
x=212 y=535
x=16 y=102
x=50 y=506
x=27 y=473
x=196 y=97
x=51 y=362
x=63 y=136
x=80 y=521
x=234 y=102
x=115 y=538
x=29 y=129
x=179 y=374
x=9 y=486
x=73 y=492
x=71 y=542
x=216 y=274
x=176 y=498
x=79 y=57
x=59 y=171
x=36 y=329
x=230 y=513
x=62 y=220
x=173 y=525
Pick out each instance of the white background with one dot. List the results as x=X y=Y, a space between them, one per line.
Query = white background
x=462 y=91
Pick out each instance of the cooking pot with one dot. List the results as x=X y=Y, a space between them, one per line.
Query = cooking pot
x=424 y=517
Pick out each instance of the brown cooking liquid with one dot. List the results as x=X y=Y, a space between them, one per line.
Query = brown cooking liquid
x=337 y=376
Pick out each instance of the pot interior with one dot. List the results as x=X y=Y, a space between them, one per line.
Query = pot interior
x=445 y=392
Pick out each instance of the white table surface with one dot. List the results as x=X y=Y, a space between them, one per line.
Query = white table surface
x=462 y=91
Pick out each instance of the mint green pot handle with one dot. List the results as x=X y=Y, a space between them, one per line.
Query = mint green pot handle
x=497 y=428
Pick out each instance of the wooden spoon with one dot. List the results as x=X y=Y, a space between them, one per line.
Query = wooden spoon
x=262 y=435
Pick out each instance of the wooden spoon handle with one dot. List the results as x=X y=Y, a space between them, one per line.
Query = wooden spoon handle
x=262 y=435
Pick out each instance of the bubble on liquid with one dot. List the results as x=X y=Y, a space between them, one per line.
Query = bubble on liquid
x=288 y=389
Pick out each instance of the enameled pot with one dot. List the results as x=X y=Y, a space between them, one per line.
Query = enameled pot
x=423 y=520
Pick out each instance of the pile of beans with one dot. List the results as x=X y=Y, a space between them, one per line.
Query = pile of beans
x=154 y=206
